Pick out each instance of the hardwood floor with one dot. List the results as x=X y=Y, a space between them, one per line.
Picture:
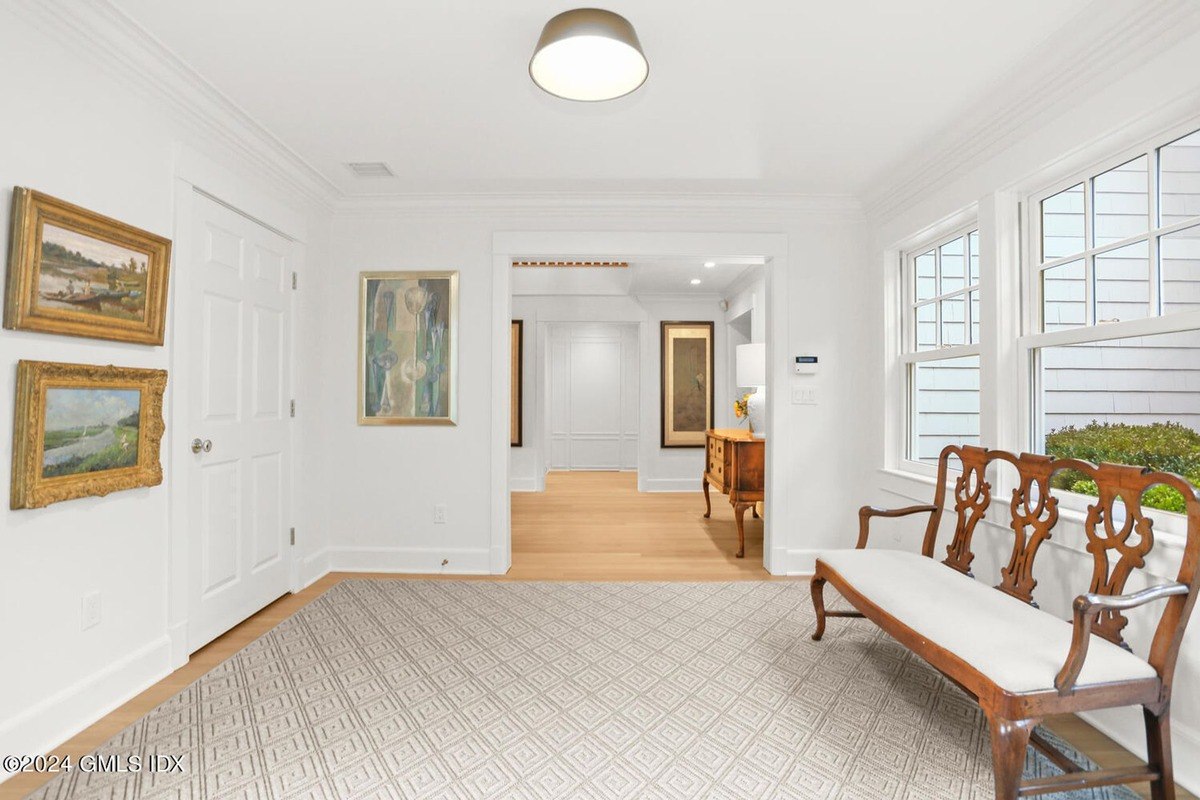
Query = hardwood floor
x=590 y=526
x=586 y=526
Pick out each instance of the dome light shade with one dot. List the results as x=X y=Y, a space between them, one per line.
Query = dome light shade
x=588 y=54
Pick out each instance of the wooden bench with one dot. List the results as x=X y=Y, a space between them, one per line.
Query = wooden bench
x=1019 y=663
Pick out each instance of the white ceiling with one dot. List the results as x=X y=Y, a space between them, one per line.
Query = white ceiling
x=661 y=276
x=761 y=95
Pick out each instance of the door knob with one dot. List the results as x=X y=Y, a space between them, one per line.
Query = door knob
x=201 y=445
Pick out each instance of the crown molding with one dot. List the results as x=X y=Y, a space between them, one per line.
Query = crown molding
x=1095 y=47
x=118 y=43
x=599 y=204
x=108 y=36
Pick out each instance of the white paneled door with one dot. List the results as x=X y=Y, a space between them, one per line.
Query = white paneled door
x=593 y=396
x=237 y=325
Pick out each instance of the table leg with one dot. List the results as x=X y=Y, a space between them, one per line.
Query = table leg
x=739 y=514
x=707 y=502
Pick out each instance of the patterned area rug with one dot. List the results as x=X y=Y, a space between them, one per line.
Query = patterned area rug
x=465 y=689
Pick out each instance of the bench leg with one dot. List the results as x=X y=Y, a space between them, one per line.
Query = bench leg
x=1010 y=739
x=707 y=502
x=817 y=587
x=1158 y=748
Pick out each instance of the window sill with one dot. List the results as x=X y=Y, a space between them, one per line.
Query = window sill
x=909 y=485
x=1170 y=531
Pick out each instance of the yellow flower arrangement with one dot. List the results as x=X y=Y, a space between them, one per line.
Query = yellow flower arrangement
x=740 y=407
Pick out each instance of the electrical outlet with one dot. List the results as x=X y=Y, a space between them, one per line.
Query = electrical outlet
x=439 y=514
x=90 y=617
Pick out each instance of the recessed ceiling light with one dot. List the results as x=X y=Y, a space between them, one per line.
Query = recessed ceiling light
x=588 y=54
x=709 y=264
x=695 y=281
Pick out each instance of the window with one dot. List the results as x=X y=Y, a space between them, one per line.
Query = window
x=1115 y=286
x=940 y=352
x=1124 y=243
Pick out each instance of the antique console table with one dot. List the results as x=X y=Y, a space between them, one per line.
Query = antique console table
x=734 y=463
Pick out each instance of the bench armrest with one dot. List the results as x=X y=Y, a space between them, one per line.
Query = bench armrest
x=1087 y=608
x=866 y=512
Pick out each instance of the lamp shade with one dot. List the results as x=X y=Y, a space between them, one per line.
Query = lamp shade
x=752 y=364
x=588 y=54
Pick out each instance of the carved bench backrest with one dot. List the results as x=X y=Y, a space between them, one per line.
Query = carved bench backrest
x=1118 y=543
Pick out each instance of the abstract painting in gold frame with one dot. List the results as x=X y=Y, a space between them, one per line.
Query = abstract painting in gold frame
x=84 y=431
x=408 y=348
x=686 y=397
x=516 y=385
x=74 y=272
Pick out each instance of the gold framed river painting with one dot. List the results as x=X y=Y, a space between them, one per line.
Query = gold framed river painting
x=74 y=272
x=408 y=348
x=84 y=431
x=687 y=383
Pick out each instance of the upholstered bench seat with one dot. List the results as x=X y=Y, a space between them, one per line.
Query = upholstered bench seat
x=1017 y=646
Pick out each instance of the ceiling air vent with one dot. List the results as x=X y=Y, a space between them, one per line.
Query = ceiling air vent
x=370 y=169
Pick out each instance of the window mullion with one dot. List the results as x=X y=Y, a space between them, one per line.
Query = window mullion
x=937 y=287
x=1089 y=259
x=1154 y=264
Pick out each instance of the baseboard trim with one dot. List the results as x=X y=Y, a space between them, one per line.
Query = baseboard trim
x=314 y=567
x=60 y=716
x=420 y=560
x=177 y=634
x=669 y=485
x=529 y=484
x=795 y=562
x=1124 y=726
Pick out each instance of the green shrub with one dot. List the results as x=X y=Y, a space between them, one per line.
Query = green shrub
x=1085 y=486
x=1162 y=446
x=1164 y=497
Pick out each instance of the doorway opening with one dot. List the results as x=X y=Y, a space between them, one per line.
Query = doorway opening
x=608 y=448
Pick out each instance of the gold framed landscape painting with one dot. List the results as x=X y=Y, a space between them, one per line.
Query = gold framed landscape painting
x=408 y=348
x=74 y=272
x=516 y=384
x=687 y=383
x=84 y=431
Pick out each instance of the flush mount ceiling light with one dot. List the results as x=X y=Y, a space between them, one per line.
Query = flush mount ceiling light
x=695 y=281
x=709 y=264
x=588 y=54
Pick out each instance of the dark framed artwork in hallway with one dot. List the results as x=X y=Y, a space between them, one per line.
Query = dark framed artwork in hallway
x=686 y=396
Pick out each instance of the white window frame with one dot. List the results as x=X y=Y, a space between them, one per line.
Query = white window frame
x=905 y=350
x=1034 y=339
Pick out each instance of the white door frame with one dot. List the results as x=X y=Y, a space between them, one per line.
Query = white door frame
x=634 y=244
x=195 y=173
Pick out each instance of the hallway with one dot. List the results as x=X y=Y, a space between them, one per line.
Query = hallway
x=597 y=526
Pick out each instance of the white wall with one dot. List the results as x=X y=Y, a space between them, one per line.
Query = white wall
x=416 y=467
x=1150 y=97
x=745 y=322
x=748 y=296
x=79 y=132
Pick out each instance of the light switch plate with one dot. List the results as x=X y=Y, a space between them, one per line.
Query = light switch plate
x=804 y=396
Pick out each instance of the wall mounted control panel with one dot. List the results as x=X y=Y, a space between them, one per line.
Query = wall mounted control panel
x=806 y=365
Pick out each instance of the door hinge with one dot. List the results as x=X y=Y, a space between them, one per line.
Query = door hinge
x=293 y=408
x=294 y=280
x=293 y=536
